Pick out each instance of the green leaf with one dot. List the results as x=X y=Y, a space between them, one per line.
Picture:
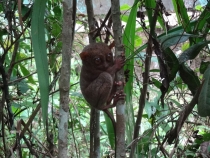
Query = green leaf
x=25 y=10
x=124 y=18
x=198 y=7
x=56 y=29
x=204 y=97
x=150 y=5
x=145 y=141
x=125 y=7
x=156 y=83
x=154 y=152
x=204 y=65
x=176 y=11
x=29 y=103
x=23 y=86
x=2 y=7
x=110 y=130
x=131 y=56
x=26 y=73
x=177 y=30
x=174 y=38
x=205 y=137
x=139 y=29
x=185 y=46
x=188 y=76
x=57 y=11
x=39 y=47
x=192 y=51
x=202 y=25
x=16 y=105
x=138 y=41
x=128 y=41
x=181 y=14
x=154 y=70
x=172 y=63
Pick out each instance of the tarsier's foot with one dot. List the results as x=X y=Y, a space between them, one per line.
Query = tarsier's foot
x=120 y=95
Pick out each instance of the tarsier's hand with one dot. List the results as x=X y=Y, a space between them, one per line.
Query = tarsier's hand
x=120 y=62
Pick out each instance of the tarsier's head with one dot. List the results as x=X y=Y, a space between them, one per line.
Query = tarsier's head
x=97 y=56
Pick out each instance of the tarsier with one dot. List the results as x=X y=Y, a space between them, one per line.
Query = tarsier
x=97 y=78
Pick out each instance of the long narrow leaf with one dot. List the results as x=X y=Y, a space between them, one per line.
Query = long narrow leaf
x=39 y=47
x=110 y=130
x=204 y=97
x=203 y=17
x=203 y=22
x=128 y=41
x=172 y=62
x=174 y=38
x=150 y=5
x=192 y=52
x=181 y=12
x=189 y=77
x=176 y=11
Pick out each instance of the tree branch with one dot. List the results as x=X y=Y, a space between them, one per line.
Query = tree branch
x=120 y=108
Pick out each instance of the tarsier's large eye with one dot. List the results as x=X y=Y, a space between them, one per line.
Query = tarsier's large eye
x=109 y=57
x=97 y=60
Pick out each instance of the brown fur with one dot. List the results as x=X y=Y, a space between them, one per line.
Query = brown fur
x=97 y=79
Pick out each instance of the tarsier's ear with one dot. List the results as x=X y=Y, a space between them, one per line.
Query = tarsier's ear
x=111 y=45
x=83 y=55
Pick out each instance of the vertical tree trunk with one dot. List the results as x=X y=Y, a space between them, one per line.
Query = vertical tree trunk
x=64 y=83
x=120 y=109
x=95 y=114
